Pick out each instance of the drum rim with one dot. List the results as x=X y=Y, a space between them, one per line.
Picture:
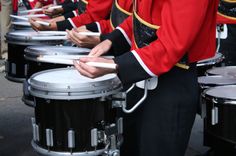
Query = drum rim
x=226 y=67
x=219 y=99
x=21 y=23
x=212 y=62
x=65 y=91
x=214 y=84
x=31 y=53
x=11 y=37
x=55 y=153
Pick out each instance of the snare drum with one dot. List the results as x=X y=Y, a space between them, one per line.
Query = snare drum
x=35 y=65
x=220 y=121
x=204 y=65
x=16 y=66
x=229 y=71
x=206 y=82
x=73 y=113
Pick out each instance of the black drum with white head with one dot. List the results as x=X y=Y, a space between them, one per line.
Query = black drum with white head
x=16 y=67
x=220 y=121
x=73 y=113
x=204 y=65
x=34 y=64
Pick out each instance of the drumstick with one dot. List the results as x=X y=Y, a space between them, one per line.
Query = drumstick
x=49 y=37
x=35 y=15
x=19 y=17
x=70 y=62
x=90 y=33
x=26 y=19
x=43 y=23
x=41 y=9
x=63 y=33
x=71 y=57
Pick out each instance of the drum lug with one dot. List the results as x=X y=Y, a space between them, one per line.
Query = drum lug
x=94 y=137
x=49 y=137
x=71 y=139
x=35 y=130
x=118 y=100
x=214 y=116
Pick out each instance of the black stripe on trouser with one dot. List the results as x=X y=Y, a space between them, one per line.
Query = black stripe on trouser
x=161 y=126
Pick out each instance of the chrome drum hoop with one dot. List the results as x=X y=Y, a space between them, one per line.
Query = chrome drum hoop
x=54 y=153
x=217 y=99
x=23 y=37
x=73 y=91
x=211 y=61
x=32 y=52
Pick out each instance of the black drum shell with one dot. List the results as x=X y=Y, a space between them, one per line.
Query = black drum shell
x=78 y=115
x=226 y=127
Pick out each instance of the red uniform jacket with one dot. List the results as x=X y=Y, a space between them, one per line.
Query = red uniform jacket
x=96 y=10
x=105 y=25
x=185 y=27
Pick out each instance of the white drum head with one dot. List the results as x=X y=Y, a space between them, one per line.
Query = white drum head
x=216 y=80
x=225 y=92
x=67 y=83
x=70 y=77
x=224 y=71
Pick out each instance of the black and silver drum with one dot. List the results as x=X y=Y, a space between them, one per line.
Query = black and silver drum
x=74 y=114
x=220 y=121
x=206 y=82
x=34 y=65
x=204 y=65
x=16 y=66
x=229 y=71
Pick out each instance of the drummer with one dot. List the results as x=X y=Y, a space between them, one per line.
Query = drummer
x=95 y=10
x=164 y=32
x=120 y=11
x=227 y=16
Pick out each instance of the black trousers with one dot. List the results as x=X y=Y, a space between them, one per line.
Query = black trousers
x=161 y=126
x=228 y=47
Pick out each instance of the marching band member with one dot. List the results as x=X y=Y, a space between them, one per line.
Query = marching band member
x=92 y=10
x=120 y=11
x=168 y=37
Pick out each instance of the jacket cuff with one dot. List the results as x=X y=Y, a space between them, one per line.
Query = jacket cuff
x=92 y=27
x=69 y=15
x=63 y=25
x=121 y=45
x=127 y=63
x=68 y=7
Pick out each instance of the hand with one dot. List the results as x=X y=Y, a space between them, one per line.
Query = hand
x=82 y=40
x=52 y=12
x=93 y=72
x=39 y=27
x=101 y=48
